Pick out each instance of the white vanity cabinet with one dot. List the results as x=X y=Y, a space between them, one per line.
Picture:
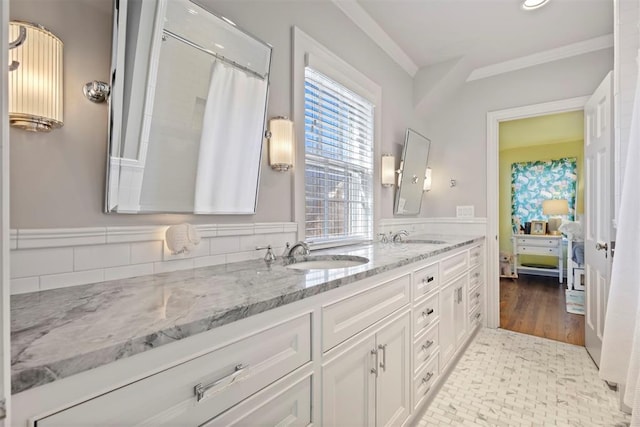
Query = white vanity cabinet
x=366 y=380
x=369 y=353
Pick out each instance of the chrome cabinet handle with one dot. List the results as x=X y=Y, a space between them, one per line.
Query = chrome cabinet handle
x=477 y=316
x=201 y=391
x=427 y=378
x=477 y=294
x=374 y=352
x=427 y=313
x=383 y=364
x=428 y=279
x=426 y=345
x=602 y=246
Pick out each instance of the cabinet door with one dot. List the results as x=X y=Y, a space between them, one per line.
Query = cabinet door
x=349 y=387
x=460 y=311
x=393 y=386
x=448 y=305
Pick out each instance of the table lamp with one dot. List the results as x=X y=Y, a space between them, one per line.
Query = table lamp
x=554 y=208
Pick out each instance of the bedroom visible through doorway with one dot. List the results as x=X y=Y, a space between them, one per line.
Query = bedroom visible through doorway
x=541 y=187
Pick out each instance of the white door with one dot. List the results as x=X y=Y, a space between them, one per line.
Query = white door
x=393 y=398
x=5 y=392
x=598 y=139
x=349 y=387
x=460 y=312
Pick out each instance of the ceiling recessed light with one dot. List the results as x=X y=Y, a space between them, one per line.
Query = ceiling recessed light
x=533 y=4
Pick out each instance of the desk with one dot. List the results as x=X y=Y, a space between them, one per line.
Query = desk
x=547 y=245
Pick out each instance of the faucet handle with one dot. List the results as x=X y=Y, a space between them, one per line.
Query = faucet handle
x=383 y=238
x=286 y=250
x=269 y=256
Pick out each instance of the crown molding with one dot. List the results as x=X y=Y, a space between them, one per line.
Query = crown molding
x=568 y=51
x=362 y=19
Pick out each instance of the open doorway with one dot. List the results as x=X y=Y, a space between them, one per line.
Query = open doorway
x=541 y=182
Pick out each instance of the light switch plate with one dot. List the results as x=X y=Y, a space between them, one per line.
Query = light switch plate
x=465 y=211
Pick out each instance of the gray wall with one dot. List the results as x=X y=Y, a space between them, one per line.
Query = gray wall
x=458 y=128
x=57 y=179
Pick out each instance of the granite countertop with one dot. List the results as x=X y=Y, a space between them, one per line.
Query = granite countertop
x=61 y=332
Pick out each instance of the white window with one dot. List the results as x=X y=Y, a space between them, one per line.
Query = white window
x=339 y=148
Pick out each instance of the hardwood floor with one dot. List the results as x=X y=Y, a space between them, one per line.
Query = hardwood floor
x=535 y=305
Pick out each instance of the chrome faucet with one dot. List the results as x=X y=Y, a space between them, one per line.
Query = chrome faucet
x=397 y=236
x=291 y=251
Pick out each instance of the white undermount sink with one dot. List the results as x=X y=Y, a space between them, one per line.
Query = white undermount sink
x=326 y=262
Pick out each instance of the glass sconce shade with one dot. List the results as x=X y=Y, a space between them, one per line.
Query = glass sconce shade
x=281 y=144
x=35 y=83
x=387 y=170
x=427 y=180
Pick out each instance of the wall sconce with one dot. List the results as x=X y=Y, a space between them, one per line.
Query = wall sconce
x=388 y=170
x=427 y=180
x=281 y=142
x=35 y=79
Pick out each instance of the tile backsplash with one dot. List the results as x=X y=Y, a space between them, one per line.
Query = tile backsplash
x=54 y=258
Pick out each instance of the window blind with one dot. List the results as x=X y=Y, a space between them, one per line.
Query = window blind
x=338 y=161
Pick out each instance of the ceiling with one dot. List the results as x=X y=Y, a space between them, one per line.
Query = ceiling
x=542 y=130
x=486 y=32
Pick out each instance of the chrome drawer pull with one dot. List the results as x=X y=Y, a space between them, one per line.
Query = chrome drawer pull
x=374 y=352
x=478 y=315
x=427 y=313
x=427 y=378
x=477 y=294
x=202 y=390
x=428 y=279
x=426 y=345
x=383 y=364
x=477 y=274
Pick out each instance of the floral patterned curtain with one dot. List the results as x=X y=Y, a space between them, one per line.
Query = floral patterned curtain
x=534 y=182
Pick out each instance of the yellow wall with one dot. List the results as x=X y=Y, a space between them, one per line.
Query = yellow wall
x=529 y=154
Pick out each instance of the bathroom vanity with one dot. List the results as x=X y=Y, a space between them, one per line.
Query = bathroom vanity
x=236 y=343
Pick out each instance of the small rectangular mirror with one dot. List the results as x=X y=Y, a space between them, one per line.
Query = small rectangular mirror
x=188 y=111
x=415 y=156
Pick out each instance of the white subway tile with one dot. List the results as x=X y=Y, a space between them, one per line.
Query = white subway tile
x=25 y=285
x=268 y=227
x=36 y=262
x=290 y=227
x=13 y=239
x=223 y=245
x=135 y=234
x=145 y=252
x=206 y=261
x=71 y=279
x=207 y=230
x=244 y=256
x=235 y=229
x=248 y=243
x=167 y=266
x=101 y=256
x=127 y=271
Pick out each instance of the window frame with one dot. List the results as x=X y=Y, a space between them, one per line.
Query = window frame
x=308 y=52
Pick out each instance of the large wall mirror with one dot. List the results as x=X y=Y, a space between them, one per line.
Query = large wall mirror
x=415 y=156
x=188 y=109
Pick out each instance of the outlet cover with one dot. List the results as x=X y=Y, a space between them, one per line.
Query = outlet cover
x=465 y=211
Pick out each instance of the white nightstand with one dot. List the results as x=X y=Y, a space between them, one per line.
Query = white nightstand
x=547 y=245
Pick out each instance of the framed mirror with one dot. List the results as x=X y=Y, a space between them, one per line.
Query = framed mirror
x=413 y=169
x=187 y=111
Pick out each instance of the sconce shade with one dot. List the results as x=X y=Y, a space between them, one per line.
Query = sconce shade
x=281 y=144
x=427 y=180
x=35 y=86
x=388 y=170
x=555 y=207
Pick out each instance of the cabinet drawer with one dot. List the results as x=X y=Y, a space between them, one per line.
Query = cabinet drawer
x=425 y=280
x=475 y=318
x=535 y=241
x=475 y=298
x=537 y=250
x=475 y=276
x=425 y=314
x=453 y=266
x=425 y=347
x=423 y=382
x=278 y=405
x=346 y=318
x=170 y=397
x=475 y=256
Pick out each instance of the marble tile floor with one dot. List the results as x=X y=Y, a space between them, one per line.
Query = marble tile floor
x=511 y=379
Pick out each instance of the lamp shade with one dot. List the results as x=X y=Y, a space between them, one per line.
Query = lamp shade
x=388 y=170
x=427 y=180
x=35 y=86
x=281 y=143
x=555 y=207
